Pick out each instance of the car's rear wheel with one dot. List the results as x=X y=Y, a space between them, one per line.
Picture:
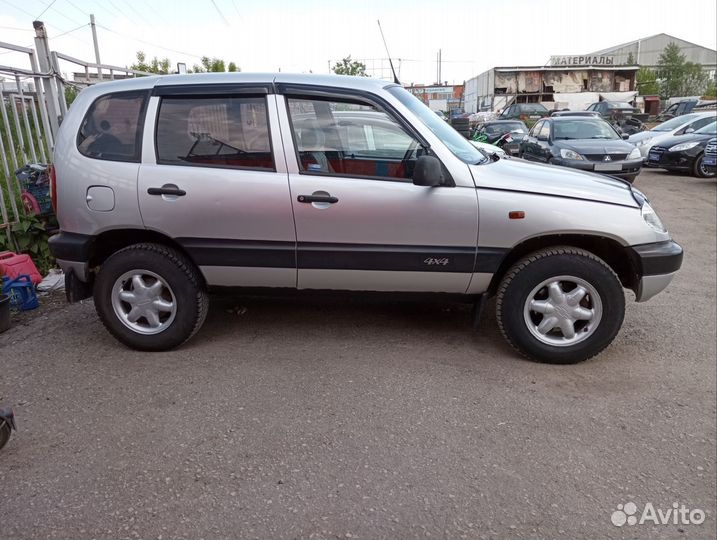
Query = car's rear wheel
x=150 y=297
x=560 y=305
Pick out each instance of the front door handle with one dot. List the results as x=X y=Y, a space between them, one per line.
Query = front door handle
x=317 y=199
x=167 y=189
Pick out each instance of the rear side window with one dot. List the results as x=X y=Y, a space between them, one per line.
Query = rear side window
x=112 y=127
x=228 y=132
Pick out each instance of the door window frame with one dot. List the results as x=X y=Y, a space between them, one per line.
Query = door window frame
x=310 y=92
x=218 y=91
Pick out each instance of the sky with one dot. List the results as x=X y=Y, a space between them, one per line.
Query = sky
x=310 y=35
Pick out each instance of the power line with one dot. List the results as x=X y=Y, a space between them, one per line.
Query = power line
x=44 y=10
x=220 y=13
x=149 y=43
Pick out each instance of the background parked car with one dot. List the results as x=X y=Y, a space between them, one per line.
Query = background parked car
x=575 y=113
x=494 y=131
x=683 y=153
x=527 y=112
x=680 y=125
x=590 y=144
x=613 y=111
x=710 y=161
x=684 y=107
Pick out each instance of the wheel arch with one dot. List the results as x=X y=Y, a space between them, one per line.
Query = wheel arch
x=608 y=249
x=108 y=242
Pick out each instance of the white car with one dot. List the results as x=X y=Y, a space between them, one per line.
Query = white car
x=680 y=125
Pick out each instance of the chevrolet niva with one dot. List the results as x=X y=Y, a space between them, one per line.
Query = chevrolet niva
x=167 y=188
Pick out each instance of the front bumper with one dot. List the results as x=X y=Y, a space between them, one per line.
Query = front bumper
x=662 y=158
x=655 y=265
x=628 y=168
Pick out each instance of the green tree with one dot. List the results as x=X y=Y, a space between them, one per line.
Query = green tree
x=677 y=76
x=350 y=67
x=160 y=67
x=647 y=84
x=711 y=90
x=213 y=65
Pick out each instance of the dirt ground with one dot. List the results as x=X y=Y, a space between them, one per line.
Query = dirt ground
x=291 y=419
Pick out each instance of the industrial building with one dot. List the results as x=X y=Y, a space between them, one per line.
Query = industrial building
x=576 y=81
x=645 y=52
x=569 y=82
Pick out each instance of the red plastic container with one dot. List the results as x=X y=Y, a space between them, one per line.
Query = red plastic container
x=14 y=265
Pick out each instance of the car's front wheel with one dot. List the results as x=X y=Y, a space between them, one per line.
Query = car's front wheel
x=698 y=169
x=561 y=305
x=150 y=297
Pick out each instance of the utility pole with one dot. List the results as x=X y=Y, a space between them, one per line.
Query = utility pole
x=97 y=47
x=45 y=63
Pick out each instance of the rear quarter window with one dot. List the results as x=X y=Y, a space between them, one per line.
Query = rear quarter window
x=112 y=128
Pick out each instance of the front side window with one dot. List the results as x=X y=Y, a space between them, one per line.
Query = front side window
x=545 y=131
x=228 y=132
x=350 y=138
x=112 y=127
x=536 y=129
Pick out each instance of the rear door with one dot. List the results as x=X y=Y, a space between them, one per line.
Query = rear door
x=213 y=178
x=361 y=223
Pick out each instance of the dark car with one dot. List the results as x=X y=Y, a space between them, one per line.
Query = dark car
x=575 y=113
x=710 y=161
x=590 y=144
x=613 y=111
x=527 y=112
x=494 y=130
x=684 y=152
x=685 y=106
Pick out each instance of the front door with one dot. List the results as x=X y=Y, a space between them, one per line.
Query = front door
x=361 y=223
x=210 y=180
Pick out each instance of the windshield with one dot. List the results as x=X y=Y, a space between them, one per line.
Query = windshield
x=675 y=122
x=508 y=127
x=455 y=142
x=620 y=105
x=532 y=107
x=709 y=129
x=583 y=129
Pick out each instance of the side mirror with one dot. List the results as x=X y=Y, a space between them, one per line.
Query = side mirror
x=689 y=130
x=428 y=172
x=625 y=136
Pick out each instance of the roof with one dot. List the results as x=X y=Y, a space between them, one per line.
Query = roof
x=140 y=83
x=633 y=42
x=567 y=68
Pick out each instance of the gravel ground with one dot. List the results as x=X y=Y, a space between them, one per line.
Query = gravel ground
x=341 y=420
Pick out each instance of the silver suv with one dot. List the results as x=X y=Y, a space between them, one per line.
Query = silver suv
x=170 y=187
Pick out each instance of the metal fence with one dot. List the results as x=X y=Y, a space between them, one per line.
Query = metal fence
x=32 y=105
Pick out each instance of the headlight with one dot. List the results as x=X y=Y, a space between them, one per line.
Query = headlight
x=570 y=154
x=683 y=146
x=651 y=218
x=635 y=154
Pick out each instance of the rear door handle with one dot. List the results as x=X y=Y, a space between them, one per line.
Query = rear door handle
x=167 y=189
x=317 y=198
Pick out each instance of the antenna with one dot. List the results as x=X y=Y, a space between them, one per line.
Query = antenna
x=395 y=79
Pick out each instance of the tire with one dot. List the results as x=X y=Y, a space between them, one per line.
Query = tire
x=528 y=279
x=4 y=434
x=698 y=169
x=166 y=279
